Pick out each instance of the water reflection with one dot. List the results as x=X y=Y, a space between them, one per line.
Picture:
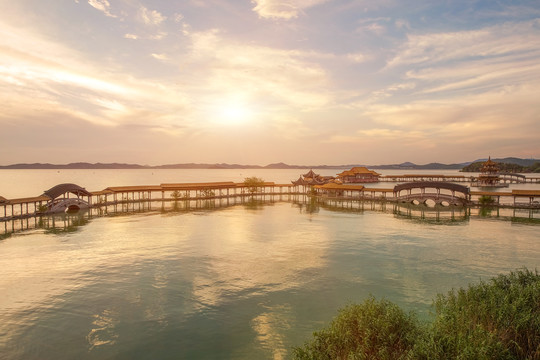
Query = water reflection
x=70 y=222
x=103 y=329
x=269 y=327
x=245 y=279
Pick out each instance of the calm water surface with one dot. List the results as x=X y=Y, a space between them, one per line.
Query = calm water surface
x=248 y=281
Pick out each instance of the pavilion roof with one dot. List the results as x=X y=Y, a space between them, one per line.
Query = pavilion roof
x=491 y=193
x=311 y=174
x=61 y=189
x=195 y=186
x=133 y=188
x=433 y=185
x=358 y=170
x=526 y=192
x=3 y=199
x=102 y=192
x=378 y=190
x=300 y=181
x=28 y=200
x=334 y=186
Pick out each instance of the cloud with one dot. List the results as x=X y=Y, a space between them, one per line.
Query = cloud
x=467 y=117
x=52 y=76
x=178 y=17
x=151 y=17
x=283 y=9
x=131 y=36
x=373 y=25
x=356 y=57
x=481 y=61
x=274 y=77
x=162 y=57
x=102 y=5
x=509 y=39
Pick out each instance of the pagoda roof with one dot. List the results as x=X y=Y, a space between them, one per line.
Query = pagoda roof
x=311 y=174
x=300 y=181
x=358 y=170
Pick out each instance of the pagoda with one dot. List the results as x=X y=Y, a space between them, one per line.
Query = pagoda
x=359 y=174
x=311 y=178
x=489 y=174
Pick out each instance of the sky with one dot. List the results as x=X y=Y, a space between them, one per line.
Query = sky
x=263 y=81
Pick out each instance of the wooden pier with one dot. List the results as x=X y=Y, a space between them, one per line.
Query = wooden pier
x=172 y=192
x=441 y=193
x=72 y=197
x=505 y=178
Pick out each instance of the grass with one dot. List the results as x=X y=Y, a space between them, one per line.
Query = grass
x=498 y=319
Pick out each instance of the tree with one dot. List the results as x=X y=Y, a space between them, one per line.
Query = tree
x=253 y=184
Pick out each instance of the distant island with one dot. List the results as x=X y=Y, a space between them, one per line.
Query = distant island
x=516 y=164
x=505 y=167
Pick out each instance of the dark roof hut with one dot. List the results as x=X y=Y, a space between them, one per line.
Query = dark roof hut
x=61 y=189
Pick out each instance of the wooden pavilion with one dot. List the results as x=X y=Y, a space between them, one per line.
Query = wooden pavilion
x=310 y=178
x=359 y=174
x=489 y=174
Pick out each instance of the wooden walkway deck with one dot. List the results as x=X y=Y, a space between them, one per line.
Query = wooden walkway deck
x=175 y=192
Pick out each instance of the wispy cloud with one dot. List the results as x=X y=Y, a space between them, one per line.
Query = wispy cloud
x=287 y=74
x=102 y=5
x=473 y=61
x=151 y=17
x=162 y=57
x=510 y=39
x=283 y=9
x=275 y=77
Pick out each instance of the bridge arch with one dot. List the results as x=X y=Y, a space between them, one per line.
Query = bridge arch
x=512 y=177
x=459 y=194
x=61 y=200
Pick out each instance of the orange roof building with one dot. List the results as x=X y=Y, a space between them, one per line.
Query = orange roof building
x=310 y=179
x=359 y=174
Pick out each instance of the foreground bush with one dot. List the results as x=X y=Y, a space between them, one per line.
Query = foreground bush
x=372 y=330
x=499 y=319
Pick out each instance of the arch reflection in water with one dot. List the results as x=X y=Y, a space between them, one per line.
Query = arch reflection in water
x=69 y=222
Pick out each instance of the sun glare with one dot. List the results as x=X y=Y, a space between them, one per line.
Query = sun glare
x=235 y=114
x=232 y=112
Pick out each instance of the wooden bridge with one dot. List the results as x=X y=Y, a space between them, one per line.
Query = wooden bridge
x=459 y=194
x=506 y=178
x=66 y=197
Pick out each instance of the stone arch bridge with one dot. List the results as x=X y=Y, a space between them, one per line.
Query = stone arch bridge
x=60 y=199
x=422 y=191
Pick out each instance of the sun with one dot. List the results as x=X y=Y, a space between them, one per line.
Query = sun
x=235 y=114
x=233 y=110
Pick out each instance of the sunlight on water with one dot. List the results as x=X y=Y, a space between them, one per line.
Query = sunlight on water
x=244 y=281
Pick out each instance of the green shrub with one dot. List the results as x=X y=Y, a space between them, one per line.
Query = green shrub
x=372 y=330
x=253 y=184
x=486 y=200
x=499 y=319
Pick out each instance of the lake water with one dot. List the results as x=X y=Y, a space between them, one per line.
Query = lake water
x=241 y=280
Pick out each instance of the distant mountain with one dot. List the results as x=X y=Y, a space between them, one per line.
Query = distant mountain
x=517 y=161
x=78 y=165
x=280 y=165
x=413 y=166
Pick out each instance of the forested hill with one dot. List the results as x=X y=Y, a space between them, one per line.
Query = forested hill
x=505 y=167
